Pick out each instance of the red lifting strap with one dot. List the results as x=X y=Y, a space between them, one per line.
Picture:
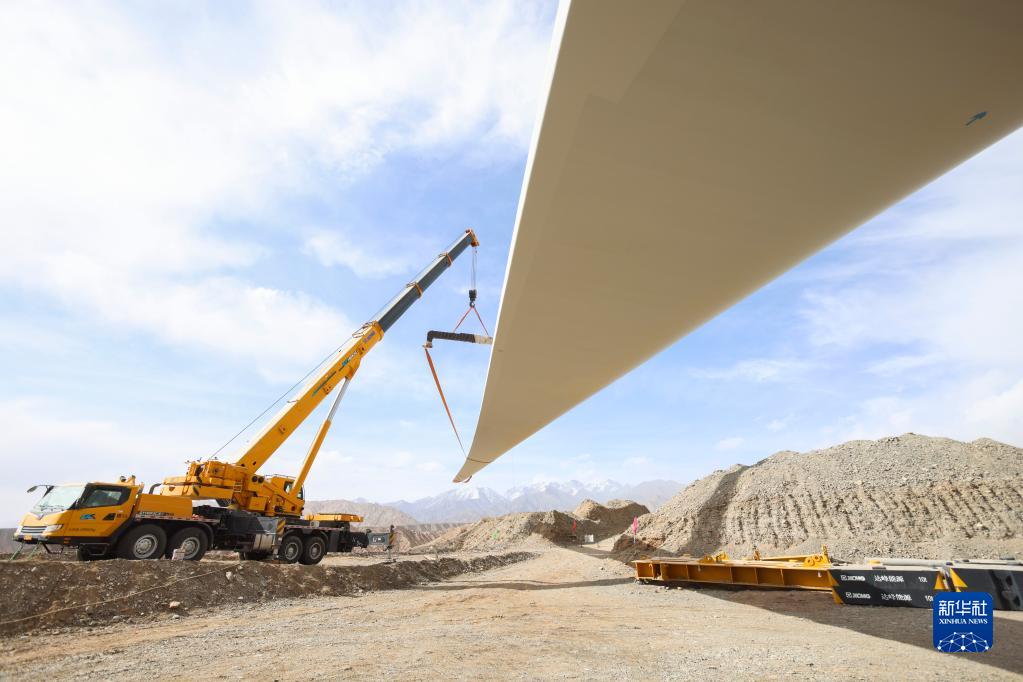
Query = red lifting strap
x=442 y=398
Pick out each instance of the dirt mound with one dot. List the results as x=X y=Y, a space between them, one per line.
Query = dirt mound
x=58 y=593
x=529 y=529
x=540 y=529
x=613 y=517
x=7 y=543
x=910 y=495
x=408 y=537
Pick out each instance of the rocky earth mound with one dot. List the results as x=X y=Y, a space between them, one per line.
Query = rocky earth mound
x=42 y=594
x=7 y=543
x=910 y=495
x=613 y=517
x=530 y=529
x=409 y=537
x=540 y=529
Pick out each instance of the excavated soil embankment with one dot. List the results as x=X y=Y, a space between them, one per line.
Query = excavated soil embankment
x=613 y=517
x=39 y=594
x=540 y=529
x=910 y=495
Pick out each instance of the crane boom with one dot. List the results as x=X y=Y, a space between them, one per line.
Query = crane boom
x=346 y=361
x=240 y=482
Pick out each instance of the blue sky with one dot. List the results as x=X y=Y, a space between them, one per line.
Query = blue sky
x=198 y=205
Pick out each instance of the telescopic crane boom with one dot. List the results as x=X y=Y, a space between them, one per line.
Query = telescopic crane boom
x=239 y=483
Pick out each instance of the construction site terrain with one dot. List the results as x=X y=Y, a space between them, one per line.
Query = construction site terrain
x=522 y=596
x=569 y=613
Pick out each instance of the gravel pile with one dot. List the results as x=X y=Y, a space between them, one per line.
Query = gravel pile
x=910 y=495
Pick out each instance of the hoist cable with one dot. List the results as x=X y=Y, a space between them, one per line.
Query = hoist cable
x=282 y=397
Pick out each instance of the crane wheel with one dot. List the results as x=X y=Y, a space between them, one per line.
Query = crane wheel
x=290 y=550
x=147 y=541
x=192 y=540
x=313 y=550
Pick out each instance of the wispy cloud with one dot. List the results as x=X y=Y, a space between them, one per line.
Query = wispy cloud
x=729 y=443
x=757 y=369
x=935 y=320
x=138 y=148
x=902 y=363
x=334 y=247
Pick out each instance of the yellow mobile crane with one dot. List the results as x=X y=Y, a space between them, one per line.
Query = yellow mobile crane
x=255 y=515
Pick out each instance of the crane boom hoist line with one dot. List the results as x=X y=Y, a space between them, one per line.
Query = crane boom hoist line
x=240 y=484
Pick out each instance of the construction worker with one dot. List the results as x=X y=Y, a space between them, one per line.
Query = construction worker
x=390 y=544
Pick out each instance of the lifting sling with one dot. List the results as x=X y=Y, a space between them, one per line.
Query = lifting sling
x=453 y=335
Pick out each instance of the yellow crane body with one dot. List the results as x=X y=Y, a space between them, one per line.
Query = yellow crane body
x=256 y=515
x=275 y=495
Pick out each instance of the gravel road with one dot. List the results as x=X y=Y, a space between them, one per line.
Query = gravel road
x=568 y=614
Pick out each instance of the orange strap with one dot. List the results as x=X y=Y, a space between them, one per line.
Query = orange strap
x=440 y=390
x=472 y=309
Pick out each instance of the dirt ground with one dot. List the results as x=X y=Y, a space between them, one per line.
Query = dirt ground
x=570 y=613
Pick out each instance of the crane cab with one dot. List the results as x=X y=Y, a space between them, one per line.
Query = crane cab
x=70 y=513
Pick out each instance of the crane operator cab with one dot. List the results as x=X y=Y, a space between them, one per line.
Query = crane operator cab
x=76 y=510
x=97 y=517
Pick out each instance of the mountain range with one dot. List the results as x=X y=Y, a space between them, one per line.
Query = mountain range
x=471 y=503
x=373 y=514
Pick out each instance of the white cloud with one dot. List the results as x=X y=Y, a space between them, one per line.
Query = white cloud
x=729 y=443
x=129 y=142
x=335 y=248
x=335 y=457
x=776 y=425
x=999 y=411
x=897 y=364
x=63 y=448
x=637 y=461
x=953 y=287
x=938 y=312
x=758 y=370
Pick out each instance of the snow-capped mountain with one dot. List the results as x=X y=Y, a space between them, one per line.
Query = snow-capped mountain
x=471 y=503
x=467 y=503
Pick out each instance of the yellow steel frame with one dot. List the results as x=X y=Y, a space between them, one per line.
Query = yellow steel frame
x=805 y=572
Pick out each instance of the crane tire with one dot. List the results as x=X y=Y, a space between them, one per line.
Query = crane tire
x=193 y=540
x=291 y=549
x=313 y=549
x=147 y=541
